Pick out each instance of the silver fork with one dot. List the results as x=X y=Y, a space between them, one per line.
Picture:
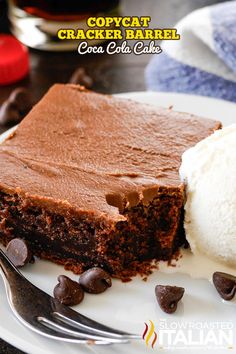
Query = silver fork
x=46 y=316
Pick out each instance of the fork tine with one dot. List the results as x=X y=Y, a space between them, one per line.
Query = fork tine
x=61 y=322
x=49 y=332
x=52 y=332
x=81 y=322
x=67 y=330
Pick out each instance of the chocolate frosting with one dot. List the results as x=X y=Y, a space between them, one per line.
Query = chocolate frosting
x=82 y=151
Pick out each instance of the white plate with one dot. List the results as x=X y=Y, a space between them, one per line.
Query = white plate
x=128 y=306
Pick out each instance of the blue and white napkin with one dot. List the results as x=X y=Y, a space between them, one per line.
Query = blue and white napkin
x=203 y=61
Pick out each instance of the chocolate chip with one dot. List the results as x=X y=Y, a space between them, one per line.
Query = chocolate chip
x=168 y=297
x=18 y=252
x=95 y=280
x=22 y=98
x=82 y=78
x=16 y=107
x=225 y=284
x=9 y=114
x=68 y=291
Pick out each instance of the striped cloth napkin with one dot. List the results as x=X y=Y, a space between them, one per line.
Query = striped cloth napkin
x=203 y=61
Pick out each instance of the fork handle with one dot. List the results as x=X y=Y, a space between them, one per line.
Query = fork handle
x=8 y=269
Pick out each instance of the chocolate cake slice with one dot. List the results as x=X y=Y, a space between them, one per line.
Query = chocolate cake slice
x=92 y=180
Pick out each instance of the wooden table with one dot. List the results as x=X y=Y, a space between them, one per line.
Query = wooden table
x=112 y=74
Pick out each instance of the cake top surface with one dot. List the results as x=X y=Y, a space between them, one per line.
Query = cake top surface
x=94 y=152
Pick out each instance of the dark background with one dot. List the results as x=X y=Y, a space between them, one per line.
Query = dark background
x=111 y=74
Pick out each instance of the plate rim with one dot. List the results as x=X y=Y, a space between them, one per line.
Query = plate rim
x=22 y=344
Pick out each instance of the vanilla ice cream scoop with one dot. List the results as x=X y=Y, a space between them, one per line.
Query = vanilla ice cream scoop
x=209 y=171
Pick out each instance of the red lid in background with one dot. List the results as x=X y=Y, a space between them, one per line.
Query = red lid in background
x=14 y=60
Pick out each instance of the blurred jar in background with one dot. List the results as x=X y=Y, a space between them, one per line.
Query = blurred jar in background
x=36 y=22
